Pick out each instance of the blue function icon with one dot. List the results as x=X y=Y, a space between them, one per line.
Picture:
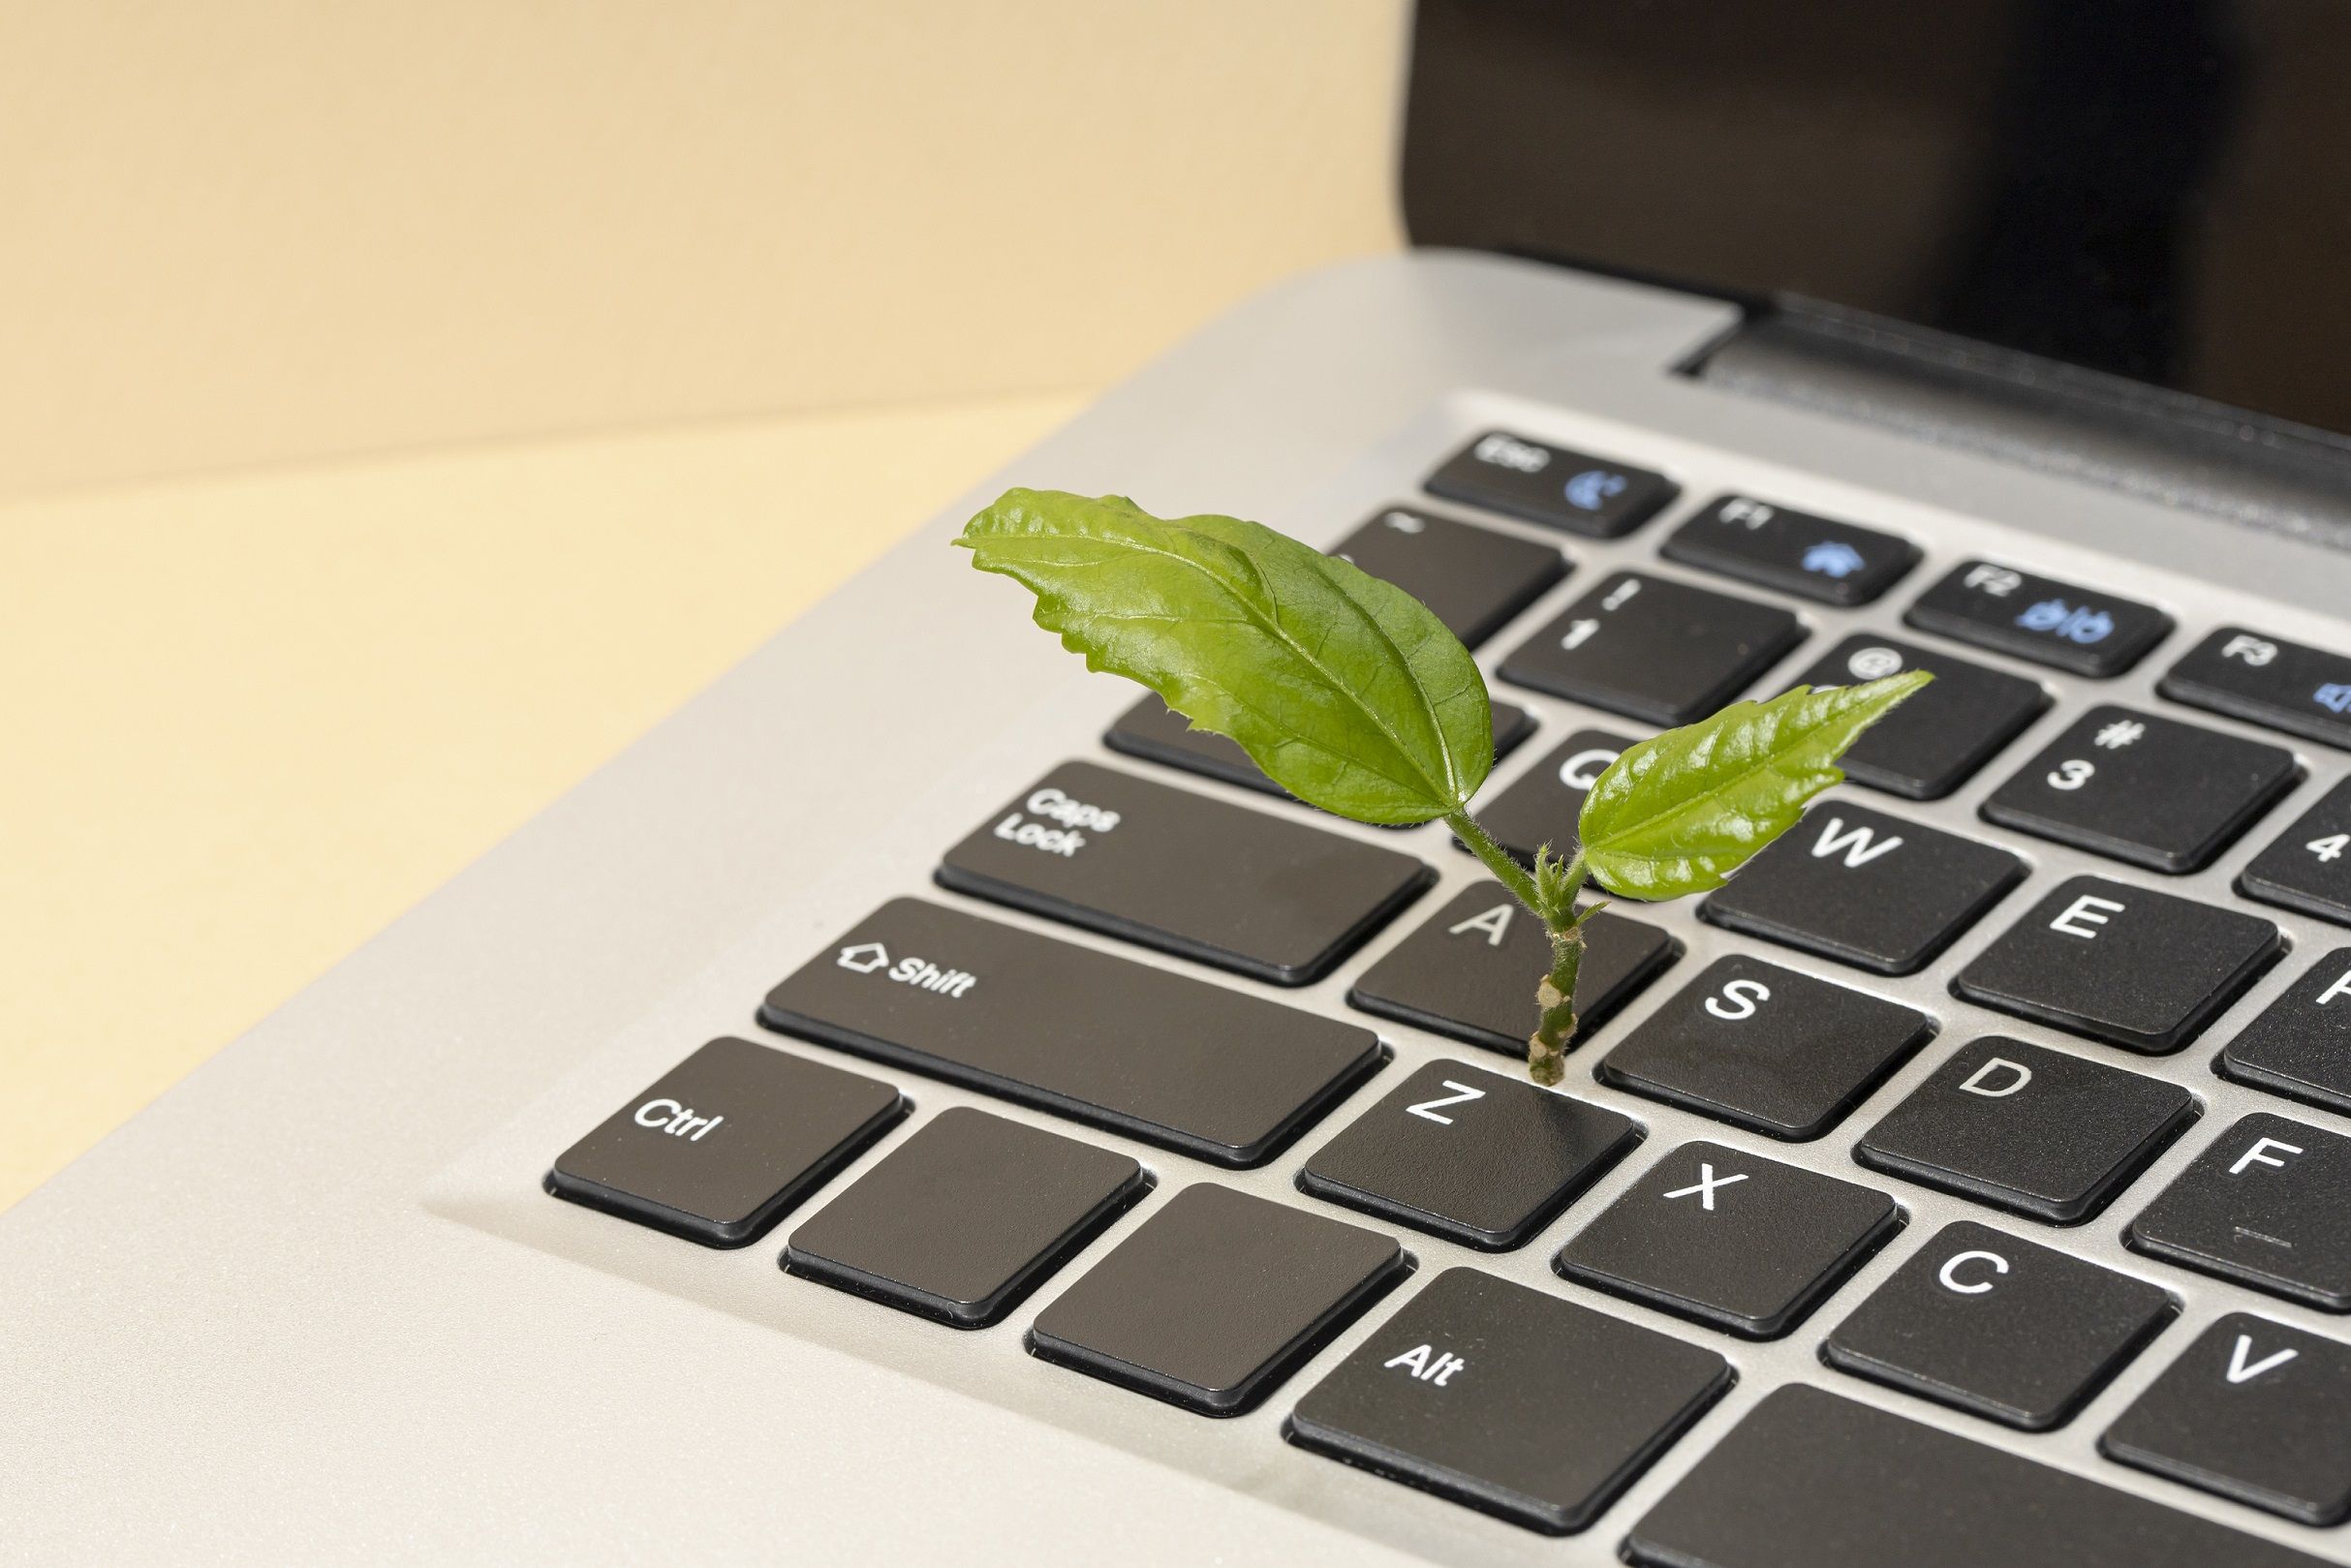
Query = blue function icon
x=2334 y=696
x=1594 y=488
x=1834 y=557
x=2076 y=624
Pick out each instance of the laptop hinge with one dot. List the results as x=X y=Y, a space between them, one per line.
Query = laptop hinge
x=2183 y=451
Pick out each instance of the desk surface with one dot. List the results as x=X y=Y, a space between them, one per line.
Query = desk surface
x=251 y=719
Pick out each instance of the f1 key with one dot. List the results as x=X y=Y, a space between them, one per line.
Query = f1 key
x=1279 y=900
x=1161 y=1056
x=1793 y=551
x=2049 y=622
x=2267 y=680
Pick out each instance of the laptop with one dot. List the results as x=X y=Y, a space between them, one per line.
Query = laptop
x=923 y=1104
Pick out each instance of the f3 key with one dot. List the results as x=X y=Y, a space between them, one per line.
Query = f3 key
x=2267 y=680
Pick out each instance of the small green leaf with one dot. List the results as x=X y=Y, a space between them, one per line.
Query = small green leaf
x=1682 y=810
x=1345 y=689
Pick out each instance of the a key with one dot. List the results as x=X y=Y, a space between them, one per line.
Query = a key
x=1470 y=1155
x=1767 y=1048
x=1812 y=1480
x=1269 y=897
x=2137 y=969
x=1938 y=739
x=1216 y=1298
x=1157 y=733
x=1999 y=1327
x=2253 y=1411
x=1155 y=1054
x=1474 y=578
x=727 y=1142
x=1746 y=1244
x=965 y=1219
x=2308 y=868
x=2143 y=788
x=2299 y=1045
x=1793 y=551
x=1543 y=804
x=1864 y=888
x=1469 y=973
x=2061 y=624
x=1653 y=649
x=2263 y=1206
x=1593 y=496
x=2267 y=680
x=2035 y=1131
x=1509 y=1400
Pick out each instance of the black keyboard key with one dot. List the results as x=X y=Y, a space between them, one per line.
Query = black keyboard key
x=1746 y=1244
x=1792 y=551
x=2029 y=1130
x=1469 y=973
x=2308 y=869
x=2268 y=1205
x=1864 y=888
x=2299 y=1045
x=965 y=1219
x=1812 y=1480
x=1217 y=1298
x=1653 y=649
x=1935 y=741
x=2267 y=680
x=1593 y=495
x=1767 y=1048
x=2253 y=1411
x=2049 y=622
x=1159 y=1056
x=1157 y=733
x=1265 y=895
x=1474 y=578
x=1509 y=1400
x=727 y=1142
x=2136 y=968
x=1998 y=1326
x=2143 y=788
x=1470 y=1155
x=1543 y=805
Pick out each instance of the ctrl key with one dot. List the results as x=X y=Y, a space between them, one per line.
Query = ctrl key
x=727 y=1142
x=1512 y=1401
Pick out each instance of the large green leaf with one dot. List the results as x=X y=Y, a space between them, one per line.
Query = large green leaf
x=1344 y=689
x=1679 y=812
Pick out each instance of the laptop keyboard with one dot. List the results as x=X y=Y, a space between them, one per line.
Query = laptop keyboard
x=1540 y=1403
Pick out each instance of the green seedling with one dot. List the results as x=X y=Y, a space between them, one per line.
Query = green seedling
x=1354 y=698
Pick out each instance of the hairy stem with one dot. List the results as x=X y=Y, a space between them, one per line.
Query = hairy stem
x=1549 y=896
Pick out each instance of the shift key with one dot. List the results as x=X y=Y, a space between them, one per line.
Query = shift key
x=1188 y=1065
x=1265 y=895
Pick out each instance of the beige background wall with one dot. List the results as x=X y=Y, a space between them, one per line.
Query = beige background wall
x=404 y=405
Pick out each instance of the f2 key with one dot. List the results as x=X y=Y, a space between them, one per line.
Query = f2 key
x=2083 y=630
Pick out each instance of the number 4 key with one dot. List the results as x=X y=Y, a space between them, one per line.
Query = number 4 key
x=2308 y=869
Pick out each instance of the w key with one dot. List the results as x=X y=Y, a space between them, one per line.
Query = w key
x=2143 y=788
x=1265 y=895
x=1864 y=888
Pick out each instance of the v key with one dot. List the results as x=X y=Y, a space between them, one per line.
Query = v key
x=2241 y=1371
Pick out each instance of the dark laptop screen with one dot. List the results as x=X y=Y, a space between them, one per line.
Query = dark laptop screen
x=2158 y=190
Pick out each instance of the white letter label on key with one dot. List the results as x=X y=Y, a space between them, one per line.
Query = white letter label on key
x=1975 y=1084
x=1737 y=1004
x=2082 y=917
x=1859 y=843
x=2255 y=1156
x=2340 y=988
x=1495 y=923
x=1950 y=1275
x=2241 y=1370
x=1584 y=769
x=1462 y=1095
x=1708 y=1180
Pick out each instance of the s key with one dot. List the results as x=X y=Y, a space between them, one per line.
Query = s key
x=2143 y=788
x=1265 y=895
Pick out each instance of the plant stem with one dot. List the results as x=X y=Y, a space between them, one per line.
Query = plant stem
x=1552 y=901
